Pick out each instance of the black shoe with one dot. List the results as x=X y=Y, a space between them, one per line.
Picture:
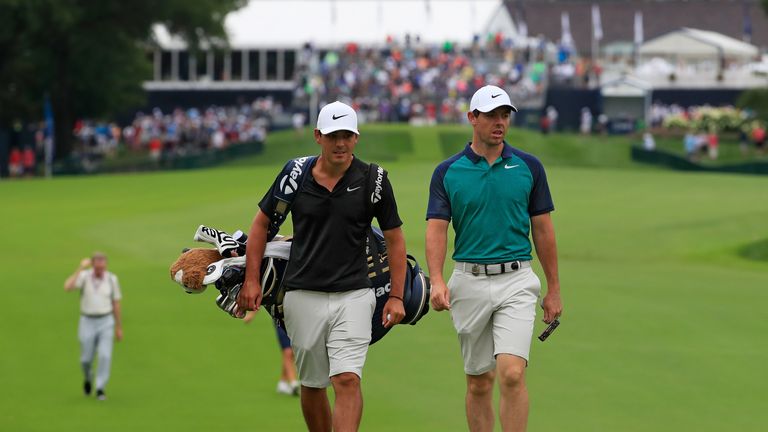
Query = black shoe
x=100 y=395
x=87 y=388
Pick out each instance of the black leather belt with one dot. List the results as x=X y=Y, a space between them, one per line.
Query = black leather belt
x=492 y=269
x=96 y=316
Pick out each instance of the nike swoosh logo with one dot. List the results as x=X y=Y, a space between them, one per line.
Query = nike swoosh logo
x=353 y=189
x=495 y=96
x=511 y=166
x=335 y=117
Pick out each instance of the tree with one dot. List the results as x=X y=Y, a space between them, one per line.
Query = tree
x=90 y=56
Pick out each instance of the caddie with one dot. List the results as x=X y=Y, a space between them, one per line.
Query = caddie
x=329 y=302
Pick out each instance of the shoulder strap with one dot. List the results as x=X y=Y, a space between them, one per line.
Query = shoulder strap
x=291 y=180
x=373 y=187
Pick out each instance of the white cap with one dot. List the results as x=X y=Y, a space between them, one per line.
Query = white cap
x=489 y=98
x=337 y=116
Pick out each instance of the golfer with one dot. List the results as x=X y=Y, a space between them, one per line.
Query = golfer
x=329 y=302
x=100 y=318
x=495 y=195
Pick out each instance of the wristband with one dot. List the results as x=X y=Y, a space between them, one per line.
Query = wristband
x=397 y=297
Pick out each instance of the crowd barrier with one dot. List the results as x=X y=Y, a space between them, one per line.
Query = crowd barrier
x=198 y=159
x=680 y=163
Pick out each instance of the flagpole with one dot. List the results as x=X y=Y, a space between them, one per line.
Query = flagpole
x=49 y=142
x=597 y=33
x=638 y=39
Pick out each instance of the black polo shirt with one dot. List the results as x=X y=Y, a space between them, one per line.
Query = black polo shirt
x=329 y=231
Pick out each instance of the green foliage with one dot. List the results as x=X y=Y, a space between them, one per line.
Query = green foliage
x=757 y=251
x=90 y=57
x=755 y=100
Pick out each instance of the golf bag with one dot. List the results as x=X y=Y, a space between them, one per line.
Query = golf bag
x=228 y=276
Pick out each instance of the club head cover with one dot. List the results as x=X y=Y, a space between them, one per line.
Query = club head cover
x=224 y=242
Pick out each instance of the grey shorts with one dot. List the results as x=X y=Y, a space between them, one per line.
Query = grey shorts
x=329 y=332
x=493 y=315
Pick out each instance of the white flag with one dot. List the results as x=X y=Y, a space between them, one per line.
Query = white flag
x=565 y=24
x=597 y=26
x=638 y=27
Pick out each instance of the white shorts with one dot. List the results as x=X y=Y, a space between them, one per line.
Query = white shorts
x=329 y=332
x=493 y=315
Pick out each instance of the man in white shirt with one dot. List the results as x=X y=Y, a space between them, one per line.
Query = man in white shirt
x=99 y=318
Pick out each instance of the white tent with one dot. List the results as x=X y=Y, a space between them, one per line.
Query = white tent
x=325 y=23
x=626 y=97
x=693 y=44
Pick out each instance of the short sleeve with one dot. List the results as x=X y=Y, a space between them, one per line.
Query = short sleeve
x=117 y=295
x=438 y=206
x=267 y=203
x=81 y=277
x=540 y=201
x=385 y=210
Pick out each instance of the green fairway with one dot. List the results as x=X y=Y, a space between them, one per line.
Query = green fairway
x=663 y=330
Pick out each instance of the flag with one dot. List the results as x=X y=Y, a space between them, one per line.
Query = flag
x=522 y=29
x=638 y=28
x=747 y=33
x=565 y=25
x=597 y=27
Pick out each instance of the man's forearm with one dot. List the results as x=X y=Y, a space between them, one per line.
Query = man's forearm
x=436 y=244
x=546 y=250
x=397 y=261
x=69 y=284
x=117 y=313
x=254 y=250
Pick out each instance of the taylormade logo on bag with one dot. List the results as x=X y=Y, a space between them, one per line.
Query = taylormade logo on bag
x=288 y=183
x=376 y=195
x=380 y=291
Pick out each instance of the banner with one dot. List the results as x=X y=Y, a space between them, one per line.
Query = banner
x=597 y=26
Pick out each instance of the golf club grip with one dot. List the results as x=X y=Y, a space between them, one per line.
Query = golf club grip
x=548 y=331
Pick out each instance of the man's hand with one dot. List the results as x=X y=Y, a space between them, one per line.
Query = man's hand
x=249 y=316
x=553 y=306
x=440 y=297
x=85 y=263
x=393 y=312
x=119 y=333
x=249 y=298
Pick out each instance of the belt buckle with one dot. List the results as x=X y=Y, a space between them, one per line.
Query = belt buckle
x=475 y=270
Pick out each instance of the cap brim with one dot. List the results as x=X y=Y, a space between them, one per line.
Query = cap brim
x=493 y=106
x=331 y=129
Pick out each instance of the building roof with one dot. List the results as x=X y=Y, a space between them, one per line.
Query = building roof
x=727 y=17
x=698 y=44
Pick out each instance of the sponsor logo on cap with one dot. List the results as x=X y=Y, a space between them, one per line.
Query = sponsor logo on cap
x=335 y=117
x=495 y=96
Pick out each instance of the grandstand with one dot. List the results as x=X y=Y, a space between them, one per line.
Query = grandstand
x=330 y=49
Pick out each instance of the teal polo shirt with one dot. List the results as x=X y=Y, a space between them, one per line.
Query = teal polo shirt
x=490 y=205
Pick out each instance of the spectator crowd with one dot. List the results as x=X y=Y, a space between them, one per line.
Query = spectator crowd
x=420 y=83
x=160 y=135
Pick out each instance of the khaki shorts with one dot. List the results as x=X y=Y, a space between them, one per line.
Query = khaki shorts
x=329 y=332
x=493 y=315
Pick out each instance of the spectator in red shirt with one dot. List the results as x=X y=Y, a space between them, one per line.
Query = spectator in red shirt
x=14 y=163
x=28 y=162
